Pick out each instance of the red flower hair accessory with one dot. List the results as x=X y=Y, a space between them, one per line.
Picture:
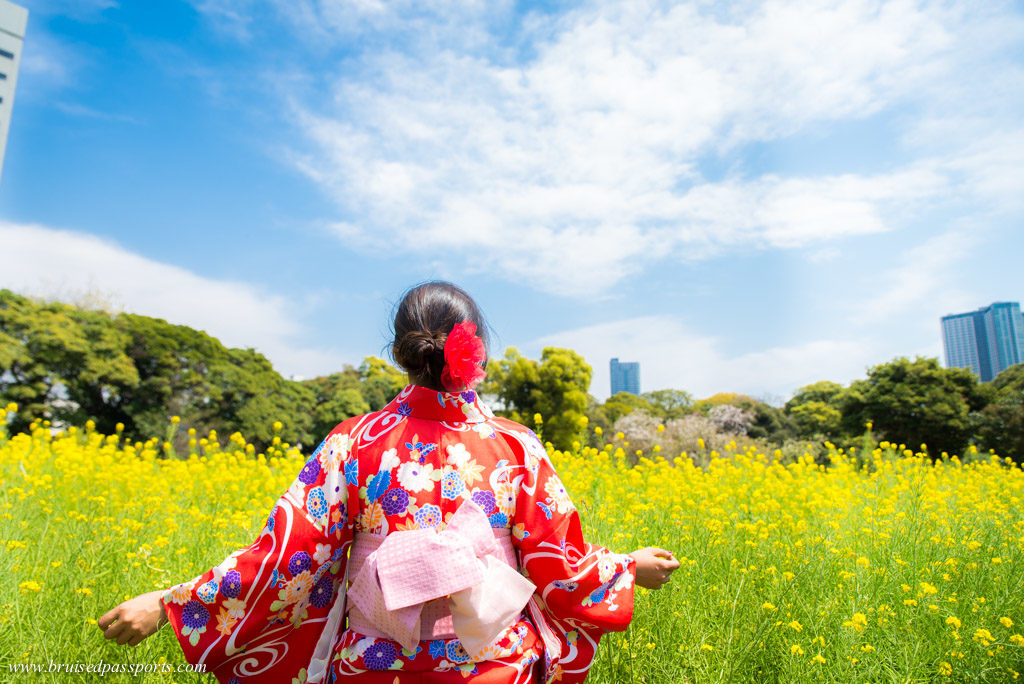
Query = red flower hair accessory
x=463 y=354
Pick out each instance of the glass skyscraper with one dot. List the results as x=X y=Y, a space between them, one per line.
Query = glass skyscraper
x=625 y=377
x=13 y=19
x=988 y=341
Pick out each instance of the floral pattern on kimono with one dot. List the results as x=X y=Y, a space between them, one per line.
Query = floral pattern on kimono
x=272 y=611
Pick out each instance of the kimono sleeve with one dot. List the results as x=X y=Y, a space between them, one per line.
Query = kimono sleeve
x=258 y=615
x=583 y=590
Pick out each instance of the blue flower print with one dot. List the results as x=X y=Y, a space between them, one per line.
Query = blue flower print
x=429 y=515
x=378 y=485
x=207 y=592
x=452 y=485
x=456 y=652
x=404 y=409
x=499 y=519
x=316 y=502
x=436 y=648
x=352 y=472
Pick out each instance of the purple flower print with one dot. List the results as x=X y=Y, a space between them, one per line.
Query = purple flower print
x=321 y=593
x=195 y=615
x=310 y=472
x=485 y=500
x=395 y=501
x=299 y=562
x=380 y=656
x=231 y=584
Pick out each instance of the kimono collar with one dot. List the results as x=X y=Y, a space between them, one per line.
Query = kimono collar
x=454 y=407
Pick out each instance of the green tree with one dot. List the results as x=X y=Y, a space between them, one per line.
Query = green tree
x=814 y=410
x=555 y=388
x=915 y=402
x=1009 y=381
x=336 y=397
x=669 y=403
x=61 y=363
x=380 y=382
x=624 y=403
x=1000 y=425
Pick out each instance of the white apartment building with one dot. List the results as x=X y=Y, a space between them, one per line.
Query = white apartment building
x=13 y=19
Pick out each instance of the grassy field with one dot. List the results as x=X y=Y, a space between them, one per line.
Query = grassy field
x=880 y=567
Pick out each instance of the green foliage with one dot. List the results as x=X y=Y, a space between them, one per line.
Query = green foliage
x=669 y=403
x=624 y=403
x=336 y=397
x=915 y=402
x=555 y=387
x=57 y=361
x=1009 y=381
x=379 y=382
x=813 y=411
x=1000 y=425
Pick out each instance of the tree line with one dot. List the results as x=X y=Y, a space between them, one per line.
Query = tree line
x=69 y=364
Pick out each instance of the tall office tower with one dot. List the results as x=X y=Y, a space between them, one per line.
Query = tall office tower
x=988 y=341
x=13 y=20
x=625 y=377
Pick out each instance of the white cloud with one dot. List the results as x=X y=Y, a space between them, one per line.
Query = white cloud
x=673 y=356
x=926 y=281
x=580 y=166
x=67 y=265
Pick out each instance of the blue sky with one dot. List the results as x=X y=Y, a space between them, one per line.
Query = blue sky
x=744 y=196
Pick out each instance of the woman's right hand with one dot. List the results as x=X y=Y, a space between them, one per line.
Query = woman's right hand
x=654 y=567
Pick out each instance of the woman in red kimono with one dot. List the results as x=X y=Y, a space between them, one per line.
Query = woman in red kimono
x=429 y=541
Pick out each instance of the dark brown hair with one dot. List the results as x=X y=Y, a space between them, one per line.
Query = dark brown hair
x=423 y=319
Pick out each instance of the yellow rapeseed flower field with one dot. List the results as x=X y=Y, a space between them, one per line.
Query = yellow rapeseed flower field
x=878 y=567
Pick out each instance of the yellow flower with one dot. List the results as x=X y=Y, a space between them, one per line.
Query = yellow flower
x=768 y=606
x=954 y=622
x=796 y=650
x=707 y=647
x=818 y=659
x=796 y=626
x=278 y=425
x=1006 y=622
x=30 y=585
x=1017 y=640
x=84 y=590
x=928 y=588
x=945 y=669
x=863 y=562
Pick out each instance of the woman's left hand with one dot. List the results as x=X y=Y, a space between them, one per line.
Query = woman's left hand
x=135 y=619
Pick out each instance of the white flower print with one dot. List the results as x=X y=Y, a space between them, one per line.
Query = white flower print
x=458 y=455
x=505 y=497
x=416 y=477
x=323 y=552
x=559 y=497
x=389 y=459
x=335 y=451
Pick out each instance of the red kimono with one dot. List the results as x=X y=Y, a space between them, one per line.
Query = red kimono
x=275 y=611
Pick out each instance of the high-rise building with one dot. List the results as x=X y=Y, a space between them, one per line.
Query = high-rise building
x=625 y=377
x=13 y=20
x=988 y=341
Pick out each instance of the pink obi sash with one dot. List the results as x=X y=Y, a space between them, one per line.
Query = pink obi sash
x=423 y=584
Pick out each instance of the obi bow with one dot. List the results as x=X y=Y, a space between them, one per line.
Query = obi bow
x=462 y=562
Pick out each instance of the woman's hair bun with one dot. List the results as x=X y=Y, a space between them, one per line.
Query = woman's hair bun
x=418 y=348
x=423 y=319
